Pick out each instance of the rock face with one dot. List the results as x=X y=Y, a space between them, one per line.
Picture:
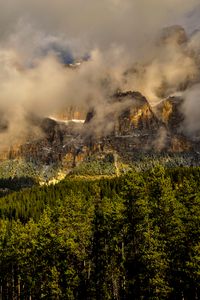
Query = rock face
x=175 y=33
x=139 y=117
x=137 y=129
x=169 y=112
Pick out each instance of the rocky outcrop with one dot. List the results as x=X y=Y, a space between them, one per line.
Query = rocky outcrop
x=138 y=117
x=169 y=111
x=175 y=34
x=137 y=129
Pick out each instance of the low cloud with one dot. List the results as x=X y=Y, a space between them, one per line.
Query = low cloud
x=123 y=40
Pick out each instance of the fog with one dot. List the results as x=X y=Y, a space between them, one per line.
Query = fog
x=122 y=45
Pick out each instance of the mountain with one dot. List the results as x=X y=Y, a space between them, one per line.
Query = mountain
x=138 y=135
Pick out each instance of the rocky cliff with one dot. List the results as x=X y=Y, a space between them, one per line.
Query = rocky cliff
x=138 y=129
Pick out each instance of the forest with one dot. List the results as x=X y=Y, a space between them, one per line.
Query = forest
x=136 y=236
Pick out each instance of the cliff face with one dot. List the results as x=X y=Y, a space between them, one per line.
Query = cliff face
x=139 y=117
x=137 y=129
x=170 y=113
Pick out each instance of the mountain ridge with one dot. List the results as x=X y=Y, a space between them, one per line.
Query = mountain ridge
x=138 y=131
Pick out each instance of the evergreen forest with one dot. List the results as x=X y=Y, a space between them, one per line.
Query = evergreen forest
x=131 y=237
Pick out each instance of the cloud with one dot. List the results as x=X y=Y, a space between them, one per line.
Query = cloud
x=120 y=37
x=192 y=112
x=93 y=23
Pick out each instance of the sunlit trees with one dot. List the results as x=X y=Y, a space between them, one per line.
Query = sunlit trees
x=131 y=237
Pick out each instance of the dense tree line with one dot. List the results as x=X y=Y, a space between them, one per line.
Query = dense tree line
x=129 y=237
x=9 y=185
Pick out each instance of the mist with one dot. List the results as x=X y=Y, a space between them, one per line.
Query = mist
x=122 y=45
